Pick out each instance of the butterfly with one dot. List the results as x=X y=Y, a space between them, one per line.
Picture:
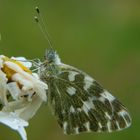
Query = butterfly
x=80 y=103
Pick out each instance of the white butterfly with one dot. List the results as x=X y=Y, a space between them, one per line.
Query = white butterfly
x=79 y=103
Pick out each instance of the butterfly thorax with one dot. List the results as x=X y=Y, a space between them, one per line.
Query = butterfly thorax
x=50 y=67
x=52 y=57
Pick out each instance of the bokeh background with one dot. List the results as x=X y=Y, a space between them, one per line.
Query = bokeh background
x=101 y=37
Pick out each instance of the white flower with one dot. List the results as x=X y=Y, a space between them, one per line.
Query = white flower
x=21 y=93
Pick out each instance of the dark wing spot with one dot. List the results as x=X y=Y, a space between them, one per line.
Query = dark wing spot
x=95 y=89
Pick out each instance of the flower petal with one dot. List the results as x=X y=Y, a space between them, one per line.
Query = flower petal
x=1 y=61
x=30 y=109
x=14 y=122
x=23 y=60
x=14 y=90
x=21 y=79
x=3 y=90
x=23 y=108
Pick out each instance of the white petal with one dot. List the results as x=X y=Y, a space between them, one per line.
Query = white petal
x=26 y=83
x=14 y=122
x=23 y=108
x=41 y=91
x=23 y=60
x=20 y=58
x=15 y=105
x=14 y=67
x=1 y=62
x=3 y=90
x=14 y=90
x=30 y=109
x=32 y=83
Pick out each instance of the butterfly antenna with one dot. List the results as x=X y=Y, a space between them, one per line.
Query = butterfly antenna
x=40 y=21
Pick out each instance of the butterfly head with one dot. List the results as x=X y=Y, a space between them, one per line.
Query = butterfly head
x=52 y=57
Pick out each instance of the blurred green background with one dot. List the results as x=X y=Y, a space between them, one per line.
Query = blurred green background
x=100 y=37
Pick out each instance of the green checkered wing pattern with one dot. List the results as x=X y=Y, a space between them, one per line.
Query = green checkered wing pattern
x=80 y=104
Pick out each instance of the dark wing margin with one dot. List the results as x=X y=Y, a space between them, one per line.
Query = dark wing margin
x=80 y=104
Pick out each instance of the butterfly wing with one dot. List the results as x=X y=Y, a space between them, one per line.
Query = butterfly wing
x=80 y=104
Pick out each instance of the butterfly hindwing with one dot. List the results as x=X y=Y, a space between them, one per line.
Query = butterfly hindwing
x=80 y=104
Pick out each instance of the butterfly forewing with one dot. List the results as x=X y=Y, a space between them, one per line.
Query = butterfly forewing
x=80 y=104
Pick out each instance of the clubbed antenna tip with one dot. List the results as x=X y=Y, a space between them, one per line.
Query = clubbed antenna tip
x=37 y=9
x=36 y=19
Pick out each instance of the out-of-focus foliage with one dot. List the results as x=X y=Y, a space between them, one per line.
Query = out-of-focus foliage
x=97 y=36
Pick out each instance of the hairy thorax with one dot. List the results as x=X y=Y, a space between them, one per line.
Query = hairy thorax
x=49 y=71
